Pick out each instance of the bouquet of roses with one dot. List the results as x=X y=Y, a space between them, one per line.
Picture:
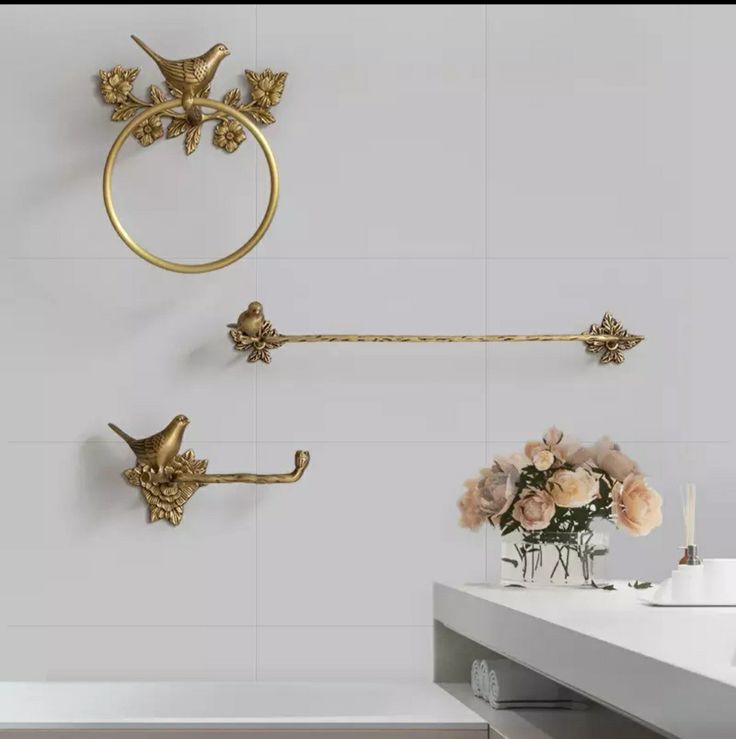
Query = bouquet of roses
x=558 y=485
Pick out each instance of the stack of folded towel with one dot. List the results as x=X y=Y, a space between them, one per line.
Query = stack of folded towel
x=505 y=684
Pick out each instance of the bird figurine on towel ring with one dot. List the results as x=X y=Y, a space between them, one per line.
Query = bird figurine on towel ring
x=157 y=451
x=189 y=78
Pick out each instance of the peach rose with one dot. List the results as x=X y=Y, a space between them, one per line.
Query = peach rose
x=532 y=448
x=534 y=510
x=471 y=516
x=636 y=507
x=543 y=459
x=489 y=496
x=609 y=457
x=573 y=489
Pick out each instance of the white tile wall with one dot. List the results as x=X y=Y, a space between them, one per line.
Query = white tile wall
x=444 y=169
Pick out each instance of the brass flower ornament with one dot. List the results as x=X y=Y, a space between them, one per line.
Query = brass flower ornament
x=165 y=494
x=265 y=91
x=149 y=131
x=267 y=87
x=229 y=135
x=613 y=342
x=117 y=84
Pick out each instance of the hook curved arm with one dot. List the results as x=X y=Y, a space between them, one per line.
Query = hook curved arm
x=301 y=462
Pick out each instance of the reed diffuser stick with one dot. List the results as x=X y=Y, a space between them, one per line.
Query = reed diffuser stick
x=688 y=512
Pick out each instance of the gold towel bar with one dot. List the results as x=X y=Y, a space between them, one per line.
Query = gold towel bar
x=168 y=478
x=254 y=334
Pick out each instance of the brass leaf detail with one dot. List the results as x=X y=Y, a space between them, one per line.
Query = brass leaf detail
x=157 y=94
x=263 y=116
x=124 y=111
x=232 y=97
x=176 y=128
x=191 y=140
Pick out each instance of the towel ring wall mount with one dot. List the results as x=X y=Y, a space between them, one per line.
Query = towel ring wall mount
x=189 y=81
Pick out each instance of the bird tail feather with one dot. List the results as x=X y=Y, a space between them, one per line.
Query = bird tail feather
x=147 y=49
x=121 y=433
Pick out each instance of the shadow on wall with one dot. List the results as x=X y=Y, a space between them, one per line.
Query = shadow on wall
x=209 y=354
x=104 y=493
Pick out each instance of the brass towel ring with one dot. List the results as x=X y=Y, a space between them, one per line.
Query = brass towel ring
x=206 y=266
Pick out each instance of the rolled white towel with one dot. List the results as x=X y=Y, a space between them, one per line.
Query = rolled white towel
x=484 y=678
x=475 y=678
x=509 y=681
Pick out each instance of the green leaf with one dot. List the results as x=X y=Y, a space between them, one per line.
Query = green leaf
x=510 y=561
x=643 y=585
x=515 y=585
x=602 y=587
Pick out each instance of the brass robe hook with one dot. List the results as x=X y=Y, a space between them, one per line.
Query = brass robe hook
x=169 y=479
x=254 y=334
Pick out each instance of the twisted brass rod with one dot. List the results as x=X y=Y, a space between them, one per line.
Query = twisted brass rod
x=313 y=338
x=301 y=462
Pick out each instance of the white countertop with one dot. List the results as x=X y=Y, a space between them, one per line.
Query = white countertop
x=231 y=705
x=673 y=668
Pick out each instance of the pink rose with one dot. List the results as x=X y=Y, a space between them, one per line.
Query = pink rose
x=609 y=457
x=489 y=496
x=573 y=489
x=534 y=510
x=497 y=486
x=636 y=507
x=563 y=448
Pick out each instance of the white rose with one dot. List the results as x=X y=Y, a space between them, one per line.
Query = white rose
x=543 y=459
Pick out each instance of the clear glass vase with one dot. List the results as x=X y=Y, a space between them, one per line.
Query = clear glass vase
x=574 y=558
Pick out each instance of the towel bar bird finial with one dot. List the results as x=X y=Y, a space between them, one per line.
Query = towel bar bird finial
x=252 y=333
x=188 y=82
x=168 y=478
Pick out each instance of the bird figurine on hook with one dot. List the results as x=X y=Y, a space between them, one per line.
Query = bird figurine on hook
x=157 y=451
x=189 y=78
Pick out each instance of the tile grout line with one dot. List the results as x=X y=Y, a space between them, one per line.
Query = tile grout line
x=377 y=442
x=255 y=405
x=219 y=626
x=399 y=258
x=485 y=235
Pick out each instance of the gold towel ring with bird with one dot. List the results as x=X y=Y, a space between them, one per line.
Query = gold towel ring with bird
x=176 y=266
